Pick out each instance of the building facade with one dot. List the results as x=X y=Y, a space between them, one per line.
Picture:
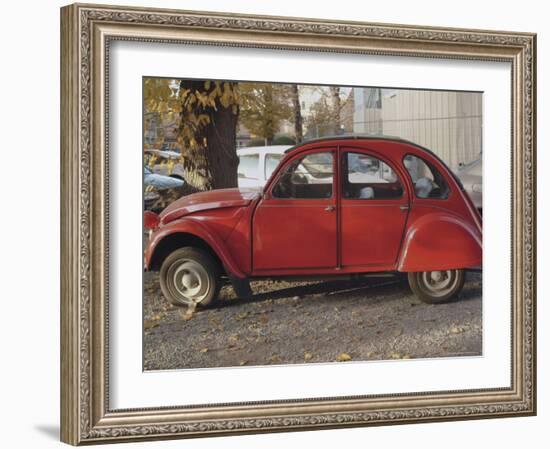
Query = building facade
x=448 y=123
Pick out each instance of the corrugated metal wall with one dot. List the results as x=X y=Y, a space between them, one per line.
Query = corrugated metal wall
x=448 y=123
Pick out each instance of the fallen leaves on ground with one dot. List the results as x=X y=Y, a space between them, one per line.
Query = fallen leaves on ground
x=343 y=357
x=149 y=324
x=398 y=356
x=241 y=316
x=188 y=313
x=308 y=356
x=233 y=340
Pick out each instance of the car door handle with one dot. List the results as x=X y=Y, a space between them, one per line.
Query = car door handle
x=404 y=207
x=330 y=208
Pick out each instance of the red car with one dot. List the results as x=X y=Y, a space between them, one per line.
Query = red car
x=352 y=206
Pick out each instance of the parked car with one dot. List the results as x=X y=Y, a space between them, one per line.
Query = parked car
x=256 y=164
x=471 y=177
x=343 y=207
x=156 y=186
x=164 y=162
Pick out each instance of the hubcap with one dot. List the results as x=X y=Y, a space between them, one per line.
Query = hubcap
x=439 y=283
x=190 y=280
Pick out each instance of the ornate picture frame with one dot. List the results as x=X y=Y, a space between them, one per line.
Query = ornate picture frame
x=87 y=31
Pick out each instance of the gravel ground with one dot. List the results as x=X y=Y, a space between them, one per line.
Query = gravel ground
x=308 y=322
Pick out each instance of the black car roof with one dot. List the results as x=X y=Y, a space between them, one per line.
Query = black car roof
x=352 y=137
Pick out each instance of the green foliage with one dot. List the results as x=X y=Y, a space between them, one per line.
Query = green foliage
x=283 y=139
x=263 y=107
x=256 y=143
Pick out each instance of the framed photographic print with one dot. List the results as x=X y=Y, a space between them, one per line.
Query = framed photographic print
x=276 y=224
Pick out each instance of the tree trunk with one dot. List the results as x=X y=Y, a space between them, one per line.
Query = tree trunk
x=298 y=128
x=213 y=163
x=221 y=148
x=336 y=107
x=269 y=109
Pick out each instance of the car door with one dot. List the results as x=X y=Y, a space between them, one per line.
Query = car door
x=294 y=225
x=373 y=211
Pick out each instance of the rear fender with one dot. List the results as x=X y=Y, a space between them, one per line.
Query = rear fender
x=440 y=241
x=196 y=229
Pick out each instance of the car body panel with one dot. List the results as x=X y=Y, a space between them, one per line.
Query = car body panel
x=203 y=201
x=197 y=227
x=371 y=232
x=261 y=235
x=438 y=240
x=294 y=246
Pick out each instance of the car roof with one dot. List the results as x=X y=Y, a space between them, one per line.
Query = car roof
x=349 y=137
x=403 y=148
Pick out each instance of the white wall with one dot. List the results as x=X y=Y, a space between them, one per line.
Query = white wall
x=29 y=326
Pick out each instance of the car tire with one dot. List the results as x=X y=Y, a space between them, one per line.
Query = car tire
x=434 y=287
x=190 y=277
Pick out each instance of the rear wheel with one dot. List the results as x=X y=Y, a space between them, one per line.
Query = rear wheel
x=190 y=276
x=436 y=286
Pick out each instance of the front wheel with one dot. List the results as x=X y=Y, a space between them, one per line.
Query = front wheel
x=436 y=286
x=190 y=276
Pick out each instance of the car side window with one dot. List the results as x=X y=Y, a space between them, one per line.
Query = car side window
x=248 y=166
x=428 y=181
x=309 y=177
x=368 y=178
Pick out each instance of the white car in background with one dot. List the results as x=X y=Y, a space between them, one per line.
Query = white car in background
x=471 y=177
x=256 y=164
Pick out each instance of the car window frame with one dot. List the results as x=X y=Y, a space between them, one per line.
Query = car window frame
x=428 y=164
x=302 y=154
x=344 y=175
x=266 y=156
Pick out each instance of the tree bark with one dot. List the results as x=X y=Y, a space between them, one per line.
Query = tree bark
x=269 y=107
x=335 y=94
x=298 y=126
x=221 y=148
x=213 y=164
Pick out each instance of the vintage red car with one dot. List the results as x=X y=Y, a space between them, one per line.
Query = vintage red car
x=353 y=206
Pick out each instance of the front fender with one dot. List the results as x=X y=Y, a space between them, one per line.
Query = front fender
x=197 y=229
x=440 y=241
